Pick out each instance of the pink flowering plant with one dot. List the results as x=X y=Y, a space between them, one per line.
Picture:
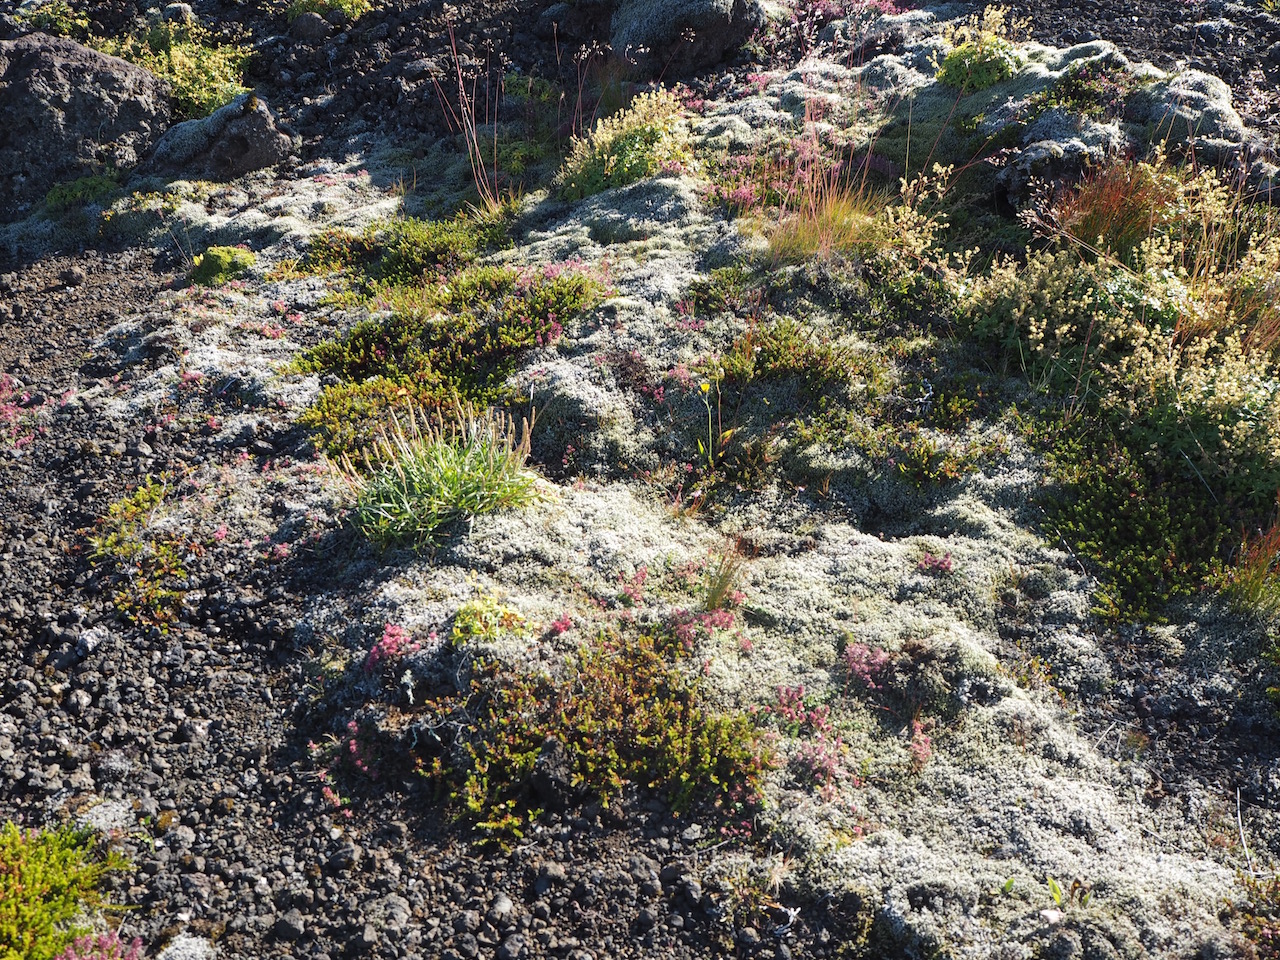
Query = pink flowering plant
x=395 y=642
x=864 y=665
x=819 y=759
x=102 y=946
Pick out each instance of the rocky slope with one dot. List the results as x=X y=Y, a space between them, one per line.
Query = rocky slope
x=197 y=710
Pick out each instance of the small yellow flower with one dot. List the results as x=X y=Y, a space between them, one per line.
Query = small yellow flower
x=706 y=387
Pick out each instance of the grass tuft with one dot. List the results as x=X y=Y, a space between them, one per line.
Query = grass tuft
x=422 y=475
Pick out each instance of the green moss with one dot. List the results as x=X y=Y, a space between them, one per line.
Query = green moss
x=217 y=265
x=49 y=884
x=92 y=189
x=628 y=710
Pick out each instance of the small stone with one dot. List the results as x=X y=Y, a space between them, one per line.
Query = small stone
x=500 y=910
x=511 y=948
x=78 y=702
x=290 y=926
x=90 y=640
x=179 y=13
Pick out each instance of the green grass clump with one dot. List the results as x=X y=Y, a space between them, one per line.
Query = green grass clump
x=627 y=710
x=217 y=265
x=424 y=476
x=354 y=9
x=637 y=143
x=91 y=189
x=440 y=344
x=48 y=887
x=204 y=75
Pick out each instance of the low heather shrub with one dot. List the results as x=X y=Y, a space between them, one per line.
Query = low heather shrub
x=627 y=710
x=48 y=884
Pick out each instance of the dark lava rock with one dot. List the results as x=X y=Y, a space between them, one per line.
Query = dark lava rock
x=671 y=37
x=310 y=28
x=234 y=140
x=552 y=777
x=67 y=111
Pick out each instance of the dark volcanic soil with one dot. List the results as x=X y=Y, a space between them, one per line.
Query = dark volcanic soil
x=202 y=720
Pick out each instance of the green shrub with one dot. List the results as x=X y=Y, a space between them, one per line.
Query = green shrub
x=58 y=18
x=1092 y=88
x=977 y=65
x=627 y=710
x=1260 y=916
x=637 y=143
x=785 y=351
x=217 y=265
x=354 y=9
x=981 y=55
x=424 y=476
x=1173 y=444
x=204 y=76
x=48 y=889
x=1150 y=529
x=147 y=563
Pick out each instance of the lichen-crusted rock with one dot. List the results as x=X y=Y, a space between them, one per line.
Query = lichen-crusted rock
x=233 y=140
x=668 y=37
x=65 y=112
